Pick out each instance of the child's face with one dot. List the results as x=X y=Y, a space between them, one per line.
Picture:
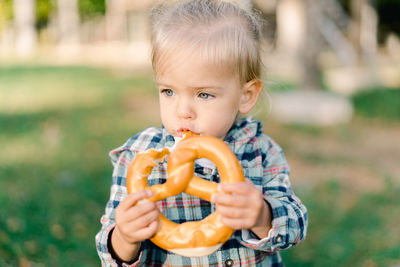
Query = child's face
x=196 y=97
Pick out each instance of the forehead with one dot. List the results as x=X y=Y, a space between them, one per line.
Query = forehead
x=195 y=74
x=188 y=61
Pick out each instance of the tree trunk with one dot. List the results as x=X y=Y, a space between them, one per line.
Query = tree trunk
x=68 y=22
x=291 y=26
x=116 y=20
x=24 y=19
x=311 y=74
x=363 y=30
x=369 y=32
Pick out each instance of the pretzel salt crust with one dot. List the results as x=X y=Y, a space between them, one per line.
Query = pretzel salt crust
x=195 y=238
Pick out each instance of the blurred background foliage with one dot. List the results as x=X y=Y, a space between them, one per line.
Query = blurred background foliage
x=389 y=19
x=44 y=8
x=88 y=8
x=378 y=103
x=57 y=125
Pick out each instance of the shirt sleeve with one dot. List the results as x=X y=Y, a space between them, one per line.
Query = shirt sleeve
x=118 y=193
x=289 y=215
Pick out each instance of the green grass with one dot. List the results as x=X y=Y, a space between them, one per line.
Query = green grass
x=383 y=103
x=57 y=125
x=363 y=235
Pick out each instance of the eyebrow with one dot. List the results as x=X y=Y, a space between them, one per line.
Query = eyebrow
x=194 y=87
x=164 y=85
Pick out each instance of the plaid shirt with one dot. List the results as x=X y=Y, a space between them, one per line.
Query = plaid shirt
x=263 y=162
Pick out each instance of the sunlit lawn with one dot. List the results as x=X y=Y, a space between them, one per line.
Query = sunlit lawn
x=57 y=125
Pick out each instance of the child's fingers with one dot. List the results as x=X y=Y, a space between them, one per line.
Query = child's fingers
x=130 y=227
x=230 y=212
x=230 y=200
x=134 y=234
x=145 y=219
x=133 y=198
x=148 y=231
x=237 y=223
x=241 y=188
x=139 y=210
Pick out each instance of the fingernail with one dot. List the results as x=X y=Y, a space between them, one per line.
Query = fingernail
x=219 y=187
x=213 y=198
x=142 y=201
x=149 y=193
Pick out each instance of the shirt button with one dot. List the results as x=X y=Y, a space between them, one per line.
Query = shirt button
x=229 y=262
x=279 y=239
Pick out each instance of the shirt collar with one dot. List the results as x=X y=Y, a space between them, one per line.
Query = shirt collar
x=243 y=130
x=169 y=139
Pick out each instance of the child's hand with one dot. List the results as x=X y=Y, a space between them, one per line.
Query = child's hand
x=242 y=206
x=135 y=222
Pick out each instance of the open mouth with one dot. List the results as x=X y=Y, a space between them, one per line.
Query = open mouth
x=183 y=131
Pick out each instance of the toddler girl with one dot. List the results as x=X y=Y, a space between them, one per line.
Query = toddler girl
x=206 y=61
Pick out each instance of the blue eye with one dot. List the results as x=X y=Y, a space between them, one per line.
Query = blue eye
x=167 y=92
x=205 y=95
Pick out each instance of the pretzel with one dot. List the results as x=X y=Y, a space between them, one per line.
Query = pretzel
x=194 y=238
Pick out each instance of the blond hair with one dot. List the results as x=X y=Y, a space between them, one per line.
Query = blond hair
x=222 y=32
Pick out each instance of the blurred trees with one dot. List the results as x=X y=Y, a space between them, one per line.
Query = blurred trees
x=44 y=8
x=304 y=28
x=24 y=21
x=388 y=10
x=389 y=19
x=348 y=28
x=68 y=22
x=116 y=20
x=91 y=8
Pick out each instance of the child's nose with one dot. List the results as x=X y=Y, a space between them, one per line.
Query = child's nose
x=185 y=109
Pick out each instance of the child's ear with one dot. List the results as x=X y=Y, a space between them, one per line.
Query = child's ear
x=250 y=92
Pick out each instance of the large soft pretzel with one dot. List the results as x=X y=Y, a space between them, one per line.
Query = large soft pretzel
x=195 y=238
